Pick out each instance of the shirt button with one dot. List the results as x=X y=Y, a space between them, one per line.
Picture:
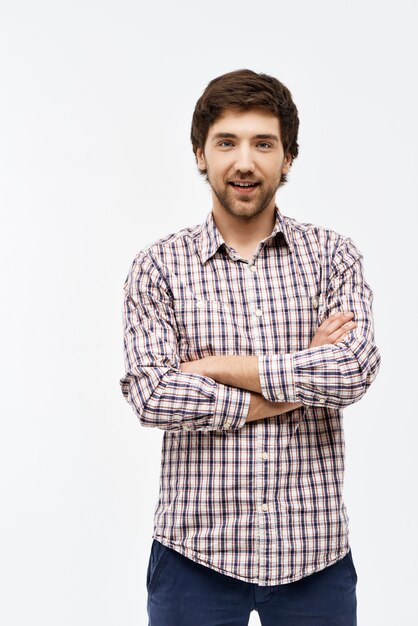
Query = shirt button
x=258 y=312
x=253 y=268
x=199 y=304
x=231 y=352
x=280 y=397
x=264 y=507
x=265 y=455
x=315 y=302
x=228 y=424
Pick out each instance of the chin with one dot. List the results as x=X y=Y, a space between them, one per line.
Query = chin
x=246 y=211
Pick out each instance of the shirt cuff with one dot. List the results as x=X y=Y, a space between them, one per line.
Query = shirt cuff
x=277 y=378
x=231 y=408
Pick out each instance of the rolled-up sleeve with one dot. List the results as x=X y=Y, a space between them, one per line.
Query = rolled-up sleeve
x=160 y=394
x=333 y=375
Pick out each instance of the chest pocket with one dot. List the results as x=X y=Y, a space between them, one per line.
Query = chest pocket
x=206 y=327
x=299 y=321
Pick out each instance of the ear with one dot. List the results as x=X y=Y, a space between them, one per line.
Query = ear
x=201 y=161
x=287 y=163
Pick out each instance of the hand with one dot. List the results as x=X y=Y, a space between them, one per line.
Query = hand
x=334 y=329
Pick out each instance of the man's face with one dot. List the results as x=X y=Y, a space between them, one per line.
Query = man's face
x=244 y=159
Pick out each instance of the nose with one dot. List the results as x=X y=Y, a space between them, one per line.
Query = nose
x=244 y=160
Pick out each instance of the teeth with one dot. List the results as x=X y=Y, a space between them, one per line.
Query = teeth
x=244 y=184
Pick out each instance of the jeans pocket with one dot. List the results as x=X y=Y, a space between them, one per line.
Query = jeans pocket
x=350 y=563
x=158 y=557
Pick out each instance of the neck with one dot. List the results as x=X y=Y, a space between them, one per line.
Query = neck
x=244 y=232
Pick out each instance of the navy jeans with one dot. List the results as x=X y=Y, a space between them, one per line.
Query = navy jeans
x=184 y=593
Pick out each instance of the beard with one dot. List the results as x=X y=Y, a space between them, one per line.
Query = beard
x=245 y=206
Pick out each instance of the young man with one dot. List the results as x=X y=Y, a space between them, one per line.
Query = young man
x=245 y=337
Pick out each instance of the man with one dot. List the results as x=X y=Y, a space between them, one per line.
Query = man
x=245 y=337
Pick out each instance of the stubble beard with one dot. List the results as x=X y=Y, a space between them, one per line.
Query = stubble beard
x=244 y=207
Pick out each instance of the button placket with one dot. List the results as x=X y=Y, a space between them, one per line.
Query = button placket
x=262 y=507
x=250 y=277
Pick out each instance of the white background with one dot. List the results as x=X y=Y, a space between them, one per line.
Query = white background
x=95 y=162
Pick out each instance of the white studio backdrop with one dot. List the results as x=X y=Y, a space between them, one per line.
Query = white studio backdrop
x=95 y=163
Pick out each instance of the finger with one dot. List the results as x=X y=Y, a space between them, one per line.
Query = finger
x=342 y=338
x=332 y=324
x=342 y=316
x=344 y=331
x=347 y=314
x=349 y=325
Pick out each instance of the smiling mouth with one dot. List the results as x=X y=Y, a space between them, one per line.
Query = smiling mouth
x=243 y=187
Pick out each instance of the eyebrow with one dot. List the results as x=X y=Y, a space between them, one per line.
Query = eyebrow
x=232 y=136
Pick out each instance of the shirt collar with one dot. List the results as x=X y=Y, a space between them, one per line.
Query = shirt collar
x=211 y=239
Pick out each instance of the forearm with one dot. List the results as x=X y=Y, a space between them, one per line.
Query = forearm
x=261 y=408
x=235 y=370
x=241 y=372
x=329 y=375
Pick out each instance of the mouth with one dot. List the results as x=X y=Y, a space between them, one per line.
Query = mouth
x=243 y=187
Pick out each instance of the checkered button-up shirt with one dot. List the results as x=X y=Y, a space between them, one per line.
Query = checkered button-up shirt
x=260 y=501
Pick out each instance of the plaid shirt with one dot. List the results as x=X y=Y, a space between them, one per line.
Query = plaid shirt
x=259 y=501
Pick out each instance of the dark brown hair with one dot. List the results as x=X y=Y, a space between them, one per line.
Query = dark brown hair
x=244 y=90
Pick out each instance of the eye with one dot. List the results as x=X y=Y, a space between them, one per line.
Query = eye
x=264 y=145
x=225 y=144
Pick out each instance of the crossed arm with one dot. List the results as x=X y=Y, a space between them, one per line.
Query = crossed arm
x=225 y=391
x=243 y=371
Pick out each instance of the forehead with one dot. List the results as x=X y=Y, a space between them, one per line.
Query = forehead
x=243 y=123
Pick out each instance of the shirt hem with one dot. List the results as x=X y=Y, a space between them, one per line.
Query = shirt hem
x=192 y=556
